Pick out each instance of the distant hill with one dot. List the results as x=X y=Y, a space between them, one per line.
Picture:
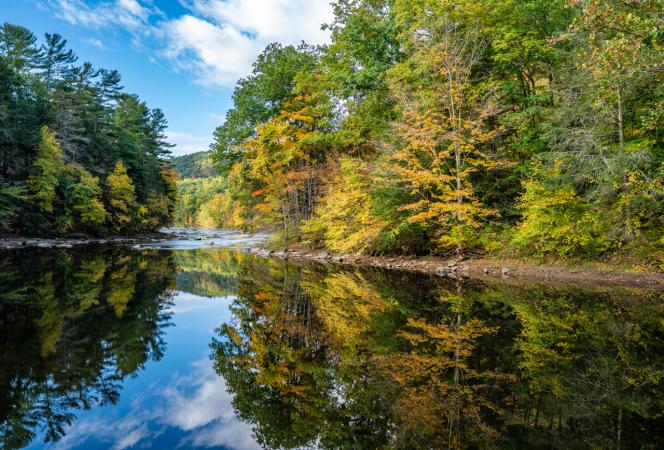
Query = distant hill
x=195 y=165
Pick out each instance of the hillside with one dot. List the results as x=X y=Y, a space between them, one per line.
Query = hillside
x=194 y=165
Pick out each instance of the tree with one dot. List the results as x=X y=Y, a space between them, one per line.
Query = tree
x=444 y=126
x=286 y=157
x=365 y=46
x=46 y=170
x=56 y=60
x=17 y=45
x=96 y=124
x=623 y=41
x=83 y=207
x=259 y=97
x=121 y=199
x=345 y=221
x=556 y=221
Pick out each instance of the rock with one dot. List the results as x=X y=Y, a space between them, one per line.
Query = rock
x=441 y=270
x=486 y=271
x=45 y=244
x=504 y=270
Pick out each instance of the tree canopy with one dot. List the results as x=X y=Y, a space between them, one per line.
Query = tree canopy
x=443 y=127
x=65 y=129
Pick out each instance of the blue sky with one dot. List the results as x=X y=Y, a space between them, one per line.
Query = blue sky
x=183 y=56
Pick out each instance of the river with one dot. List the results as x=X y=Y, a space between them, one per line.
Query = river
x=193 y=343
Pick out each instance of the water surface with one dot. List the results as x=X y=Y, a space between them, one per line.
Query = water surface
x=162 y=347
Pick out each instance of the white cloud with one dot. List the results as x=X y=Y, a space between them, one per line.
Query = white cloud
x=196 y=402
x=127 y=13
x=186 y=143
x=218 y=40
x=216 y=55
x=96 y=43
x=285 y=21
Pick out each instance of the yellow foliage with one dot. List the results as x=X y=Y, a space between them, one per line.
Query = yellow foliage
x=344 y=218
x=121 y=198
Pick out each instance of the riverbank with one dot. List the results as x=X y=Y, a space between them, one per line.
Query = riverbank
x=17 y=242
x=505 y=270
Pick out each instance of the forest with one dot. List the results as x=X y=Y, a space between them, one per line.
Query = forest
x=77 y=153
x=531 y=127
x=200 y=199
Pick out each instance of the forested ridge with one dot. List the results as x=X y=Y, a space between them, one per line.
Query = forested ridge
x=194 y=165
x=77 y=153
x=201 y=203
x=457 y=127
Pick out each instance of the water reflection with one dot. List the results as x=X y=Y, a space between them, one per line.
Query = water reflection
x=73 y=326
x=111 y=349
x=343 y=359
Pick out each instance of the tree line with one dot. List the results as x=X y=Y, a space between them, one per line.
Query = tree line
x=77 y=153
x=445 y=127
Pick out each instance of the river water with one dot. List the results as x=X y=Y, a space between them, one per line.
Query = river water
x=193 y=343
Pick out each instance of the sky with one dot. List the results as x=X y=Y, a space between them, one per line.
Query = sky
x=183 y=56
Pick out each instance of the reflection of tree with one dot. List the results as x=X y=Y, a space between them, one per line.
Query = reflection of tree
x=591 y=366
x=289 y=384
x=346 y=359
x=73 y=325
x=449 y=395
x=209 y=272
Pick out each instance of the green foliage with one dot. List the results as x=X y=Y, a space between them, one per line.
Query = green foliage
x=46 y=170
x=12 y=200
x=259 y=97
x=62 y=129
x=469 y=125
x=202 y=203
x=195 y=165
x=557 y=221
x=83 y=204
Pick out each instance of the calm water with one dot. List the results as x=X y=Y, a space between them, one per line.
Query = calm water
x=210 y=348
